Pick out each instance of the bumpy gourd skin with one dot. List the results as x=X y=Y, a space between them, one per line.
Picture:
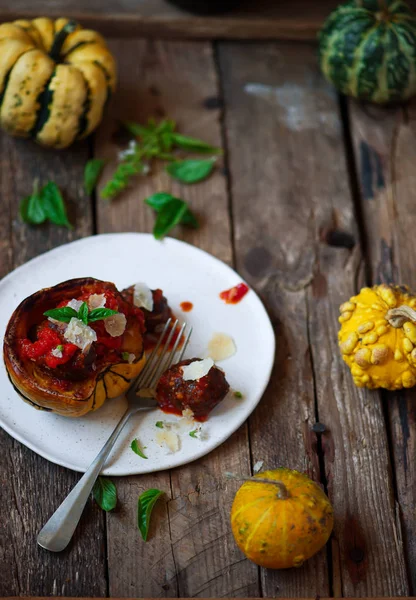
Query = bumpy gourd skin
x=55 y=80
x=378 y=353
x=281 y=532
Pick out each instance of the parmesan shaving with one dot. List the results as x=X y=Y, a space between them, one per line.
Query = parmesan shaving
x=80 y=334
x=116 y=324
x=56 y=352
x=197 y=369
x=167 y=438
x=221 y=346
x=143 y=297
x=75 y=304
x=258 y=466
x=131 y=358
x=96 y=301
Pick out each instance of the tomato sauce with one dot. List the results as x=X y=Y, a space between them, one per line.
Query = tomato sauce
x=234 y=294
x=186 y=306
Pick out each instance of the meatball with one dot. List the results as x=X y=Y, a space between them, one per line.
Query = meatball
x=161 y=310
x=174 y=394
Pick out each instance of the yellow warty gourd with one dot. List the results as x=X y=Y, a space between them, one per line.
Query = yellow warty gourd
x=55 y=79
x=377 y=338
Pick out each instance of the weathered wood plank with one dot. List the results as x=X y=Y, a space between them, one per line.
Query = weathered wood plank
x=31 y=487
x=384 y=142
x=290 y=188
x=259 y=19
x=191 y=552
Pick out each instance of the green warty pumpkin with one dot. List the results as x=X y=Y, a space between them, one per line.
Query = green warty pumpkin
x=367 y=49
x=55 y=79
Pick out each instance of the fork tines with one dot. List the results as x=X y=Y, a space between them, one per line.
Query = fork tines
x=158 y=362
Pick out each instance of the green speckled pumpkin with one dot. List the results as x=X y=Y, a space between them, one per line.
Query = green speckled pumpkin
x=367 y=49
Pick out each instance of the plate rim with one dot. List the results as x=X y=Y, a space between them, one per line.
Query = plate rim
x=202 y=452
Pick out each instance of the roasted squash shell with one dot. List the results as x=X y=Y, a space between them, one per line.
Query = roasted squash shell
x=66 y=396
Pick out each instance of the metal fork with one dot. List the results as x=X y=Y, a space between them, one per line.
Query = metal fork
x=58 y=531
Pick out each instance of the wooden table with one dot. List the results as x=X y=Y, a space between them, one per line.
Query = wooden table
x=315 y=197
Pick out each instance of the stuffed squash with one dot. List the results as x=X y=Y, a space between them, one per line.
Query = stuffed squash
x=55 y=79
x=70 y=347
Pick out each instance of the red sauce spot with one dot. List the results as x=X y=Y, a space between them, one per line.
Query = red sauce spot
x=235 y=294
x=186 y=306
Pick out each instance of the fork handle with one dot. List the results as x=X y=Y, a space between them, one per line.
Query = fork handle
x=58 y=531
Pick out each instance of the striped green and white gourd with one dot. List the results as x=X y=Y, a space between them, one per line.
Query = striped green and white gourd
x=367 y=49
x=55 y=79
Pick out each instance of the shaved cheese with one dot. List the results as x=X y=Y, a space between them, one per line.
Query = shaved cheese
x=167 y=438
x=188 y=413
x=221 y=346
x=131 y=358
x=57 y=352
x=197 y=369
x=258 y=466
x=80 y=334
x=75 y=304
x=96 y=301
x=116 y=324
x=143 y=297
x=58 y=325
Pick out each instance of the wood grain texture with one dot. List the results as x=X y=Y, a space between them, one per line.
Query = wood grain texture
x=192 y=552
x=384 y=143
x=289 y=197
x=259 y=19
x=31 y=487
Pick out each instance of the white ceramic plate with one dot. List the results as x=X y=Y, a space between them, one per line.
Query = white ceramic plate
x=185 y=273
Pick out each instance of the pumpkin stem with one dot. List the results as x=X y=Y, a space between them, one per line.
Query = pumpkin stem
x=397 y=317
x=282 y=493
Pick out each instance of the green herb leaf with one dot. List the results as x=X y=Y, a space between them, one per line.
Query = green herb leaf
x=159 y=424
x=125 y=355
x=165 y=201
x=238 y=395
x=60 y=347
x=190 y=219
x=192 y=170
x=159 y=200
x=53 y=205
x=100 y=313
x=168 y=217
x=105 y=494
x=193 y=433
x=135 y=128
x=92 y=172
x=145 y=505
x=136 y=448
x=133 y=165
x=192 y=144
x=64 y=314
x=83 y=313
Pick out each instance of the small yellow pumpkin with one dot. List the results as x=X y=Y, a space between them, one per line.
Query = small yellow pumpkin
x=377 y=338
x=282 y=519
x=55 y=79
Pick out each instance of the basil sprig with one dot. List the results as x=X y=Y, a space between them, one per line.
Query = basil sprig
x=170 y=211
x=191 y=171
x=66 y=313
x=145 y=505
x=45 y=204
x=105 y=494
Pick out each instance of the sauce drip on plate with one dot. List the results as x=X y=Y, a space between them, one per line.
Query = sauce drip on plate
x=234 y=294
x=186 y=306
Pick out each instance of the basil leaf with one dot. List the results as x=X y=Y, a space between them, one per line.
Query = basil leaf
x=63 y=314
x=159 y=424
x=136 y=448
x=190 y=219
x=100 y=313
x=105 y=493
x=159 y=200
x=192 y=170
x=192 y=144
x=168 y=217
x=83 y=313
x=193 y=433
x=53 y=205
x=92 y=172
x=145 y=505
x=35 y=212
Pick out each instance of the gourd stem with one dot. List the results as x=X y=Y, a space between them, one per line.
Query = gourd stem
x=397 y=317
x=282 y=493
